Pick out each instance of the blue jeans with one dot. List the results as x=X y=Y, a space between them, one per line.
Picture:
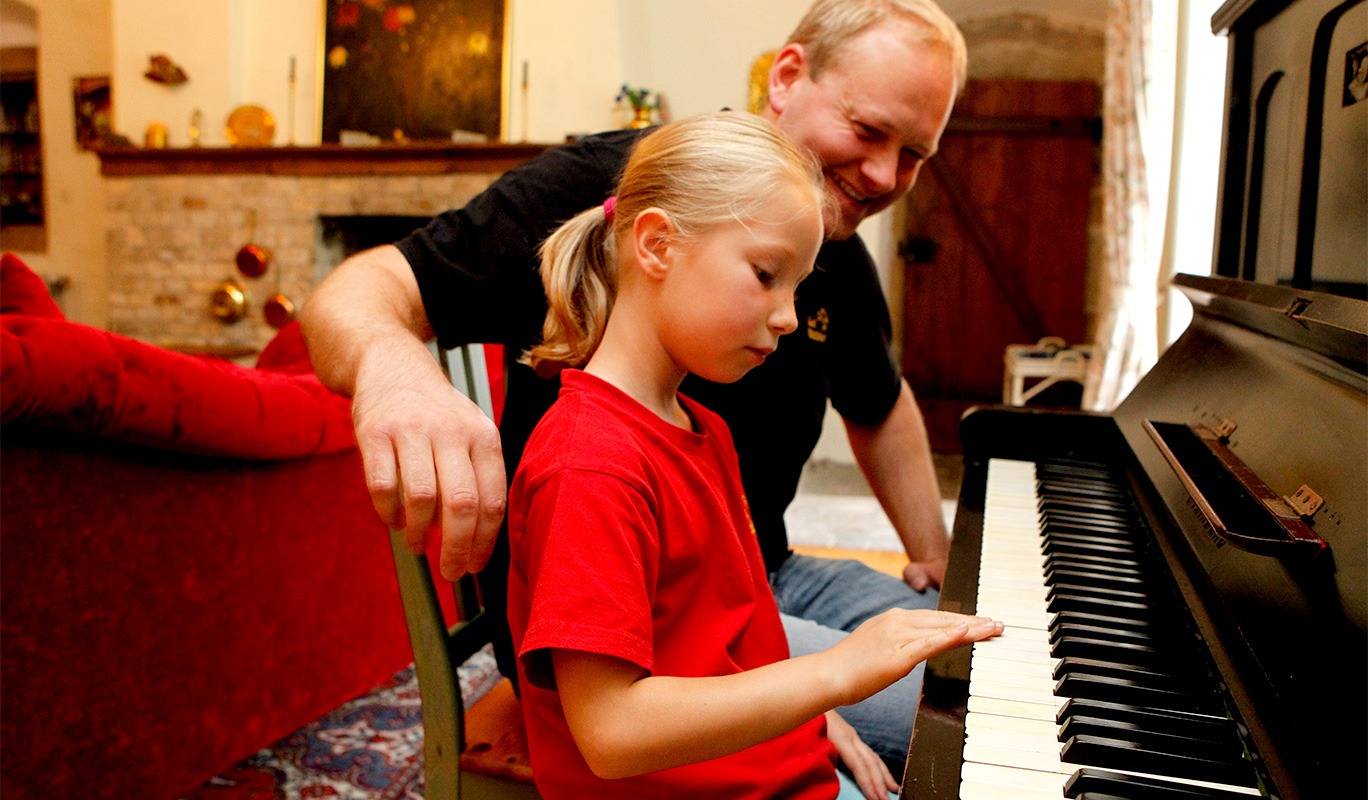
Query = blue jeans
x=823 y=599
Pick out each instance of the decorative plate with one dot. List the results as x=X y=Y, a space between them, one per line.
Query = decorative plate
x=250 y=126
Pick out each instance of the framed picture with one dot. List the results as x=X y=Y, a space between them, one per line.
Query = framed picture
x=414 y=70
x=94 y=110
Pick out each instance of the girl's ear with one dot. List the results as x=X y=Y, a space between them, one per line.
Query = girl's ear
x=652 y=241
x=788 y=68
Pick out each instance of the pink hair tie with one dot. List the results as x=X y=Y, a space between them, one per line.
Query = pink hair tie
x=609 y=206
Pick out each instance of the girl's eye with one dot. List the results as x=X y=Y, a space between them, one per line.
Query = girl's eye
x=764 y=276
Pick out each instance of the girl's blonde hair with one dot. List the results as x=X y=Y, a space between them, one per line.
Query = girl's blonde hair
x=702 y=171
x=829 y=25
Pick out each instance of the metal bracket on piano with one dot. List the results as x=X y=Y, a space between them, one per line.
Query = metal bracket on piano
x=1298 y=539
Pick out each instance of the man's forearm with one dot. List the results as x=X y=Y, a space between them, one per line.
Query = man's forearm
x=895 y=456
x=370 y=300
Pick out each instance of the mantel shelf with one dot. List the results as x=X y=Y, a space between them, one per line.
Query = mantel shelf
x=316 y=160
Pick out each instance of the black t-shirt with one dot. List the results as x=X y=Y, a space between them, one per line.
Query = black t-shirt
x=477 y=269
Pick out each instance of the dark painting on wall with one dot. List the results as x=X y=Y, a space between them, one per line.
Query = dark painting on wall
x=413 y=70
x=93 y=110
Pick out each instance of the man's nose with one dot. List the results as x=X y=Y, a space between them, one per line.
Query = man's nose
x=881 y=169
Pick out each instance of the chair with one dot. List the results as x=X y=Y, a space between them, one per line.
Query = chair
x=474 y=753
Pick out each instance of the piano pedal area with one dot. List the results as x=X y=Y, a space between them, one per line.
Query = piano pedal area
x=1099 y=688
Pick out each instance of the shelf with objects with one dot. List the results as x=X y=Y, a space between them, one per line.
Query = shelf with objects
x=22 y=215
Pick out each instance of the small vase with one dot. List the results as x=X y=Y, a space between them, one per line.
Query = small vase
x=641 y=117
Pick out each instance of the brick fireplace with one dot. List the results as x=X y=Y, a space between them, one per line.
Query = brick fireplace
x=175 y=220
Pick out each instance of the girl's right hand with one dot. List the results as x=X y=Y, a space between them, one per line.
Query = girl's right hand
x=887 y=647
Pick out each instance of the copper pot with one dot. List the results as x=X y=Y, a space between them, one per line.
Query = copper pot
x=228 y=302
x=252 y=260
x=279 y=310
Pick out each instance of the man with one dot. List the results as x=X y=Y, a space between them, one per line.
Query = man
x=867 y=86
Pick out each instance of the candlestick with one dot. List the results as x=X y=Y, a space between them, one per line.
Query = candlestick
x=291 y=115
x=524 y=100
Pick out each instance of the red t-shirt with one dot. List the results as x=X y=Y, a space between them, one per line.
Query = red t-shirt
x=630 y=538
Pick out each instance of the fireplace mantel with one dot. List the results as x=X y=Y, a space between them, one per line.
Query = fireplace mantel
x=435 y=158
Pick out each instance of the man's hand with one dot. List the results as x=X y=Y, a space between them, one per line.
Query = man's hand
x=869 y=771
x=431 y=456
x=923 y=575
x=423 y=444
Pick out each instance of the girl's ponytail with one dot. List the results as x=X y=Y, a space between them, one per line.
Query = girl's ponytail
x=578 y=276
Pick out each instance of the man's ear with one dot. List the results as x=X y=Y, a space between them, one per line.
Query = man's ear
x=653 y=241
x=789 y=66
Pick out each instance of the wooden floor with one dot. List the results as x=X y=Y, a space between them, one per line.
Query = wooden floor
x=891 y=563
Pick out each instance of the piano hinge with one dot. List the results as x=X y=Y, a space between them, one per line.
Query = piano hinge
x=1297 y=307
x=1305 y=501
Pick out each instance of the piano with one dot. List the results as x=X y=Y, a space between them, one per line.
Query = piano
x=1185 y=580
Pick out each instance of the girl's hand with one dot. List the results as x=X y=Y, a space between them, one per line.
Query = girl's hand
x=869 y=771
x=887 y=647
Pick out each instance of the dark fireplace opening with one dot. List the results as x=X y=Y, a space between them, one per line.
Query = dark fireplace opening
x=341 y=236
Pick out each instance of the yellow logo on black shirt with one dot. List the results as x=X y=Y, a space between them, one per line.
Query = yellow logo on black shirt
x=817 y=325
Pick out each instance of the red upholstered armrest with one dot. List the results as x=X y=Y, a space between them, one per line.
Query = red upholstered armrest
x=62 y=375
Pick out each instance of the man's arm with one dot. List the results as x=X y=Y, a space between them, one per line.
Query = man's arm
x=895 y=456
x=424 y=445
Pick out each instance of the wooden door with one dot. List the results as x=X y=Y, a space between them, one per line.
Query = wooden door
x=996 y=243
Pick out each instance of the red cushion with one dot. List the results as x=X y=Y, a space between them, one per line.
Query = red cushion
x=23 y=292
x=72 y=377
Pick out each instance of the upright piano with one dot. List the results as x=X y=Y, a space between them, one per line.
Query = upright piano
x=1185 y=580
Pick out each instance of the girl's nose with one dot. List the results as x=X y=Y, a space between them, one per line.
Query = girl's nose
x=784 y=318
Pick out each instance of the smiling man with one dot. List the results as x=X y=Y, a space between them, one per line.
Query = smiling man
x=867 y=87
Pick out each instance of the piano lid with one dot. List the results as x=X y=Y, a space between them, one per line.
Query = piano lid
x=1257 y=419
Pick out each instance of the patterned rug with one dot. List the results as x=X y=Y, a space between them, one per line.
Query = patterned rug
x=368 y=749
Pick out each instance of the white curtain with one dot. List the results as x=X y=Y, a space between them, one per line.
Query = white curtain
x=1137 y=147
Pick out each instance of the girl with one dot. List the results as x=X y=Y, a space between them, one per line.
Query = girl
x=651 y=655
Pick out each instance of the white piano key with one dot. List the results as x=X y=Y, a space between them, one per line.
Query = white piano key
x=1005 y=691
x=1033 y=727
x=1020 y=759
x=987 y=791
x=1025 y=780
x=1012 y=708
x=1013 y=740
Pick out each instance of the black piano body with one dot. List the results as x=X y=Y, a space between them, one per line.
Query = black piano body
x=1245 y=449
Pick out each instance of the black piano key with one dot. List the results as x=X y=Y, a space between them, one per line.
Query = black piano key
x=1106 y=565
x=1085 y=577
x=1097 y=751
x=1081 y=537
x=1087 y=505
x=1097 y=784
x=1103 y=620
x=1122 y=690
x=1179 y=722
x=1092 y=605
x=1097 y=592
x=1177 y=676
x=1058 y=632
x=1055 y=488
x=1096 y=522
x=1060 y=547
x=1198 y=741
x=1104 y=650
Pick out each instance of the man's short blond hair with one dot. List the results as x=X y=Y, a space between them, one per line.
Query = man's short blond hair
x=830 y=24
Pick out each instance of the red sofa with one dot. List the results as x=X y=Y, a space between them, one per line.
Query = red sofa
x=190 y=567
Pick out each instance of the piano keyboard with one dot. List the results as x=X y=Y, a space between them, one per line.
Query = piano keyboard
x=1095 y=688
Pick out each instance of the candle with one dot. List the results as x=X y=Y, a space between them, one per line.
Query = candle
x=292 y=68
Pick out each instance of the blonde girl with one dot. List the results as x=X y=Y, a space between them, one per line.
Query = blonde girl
x=650 y=650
